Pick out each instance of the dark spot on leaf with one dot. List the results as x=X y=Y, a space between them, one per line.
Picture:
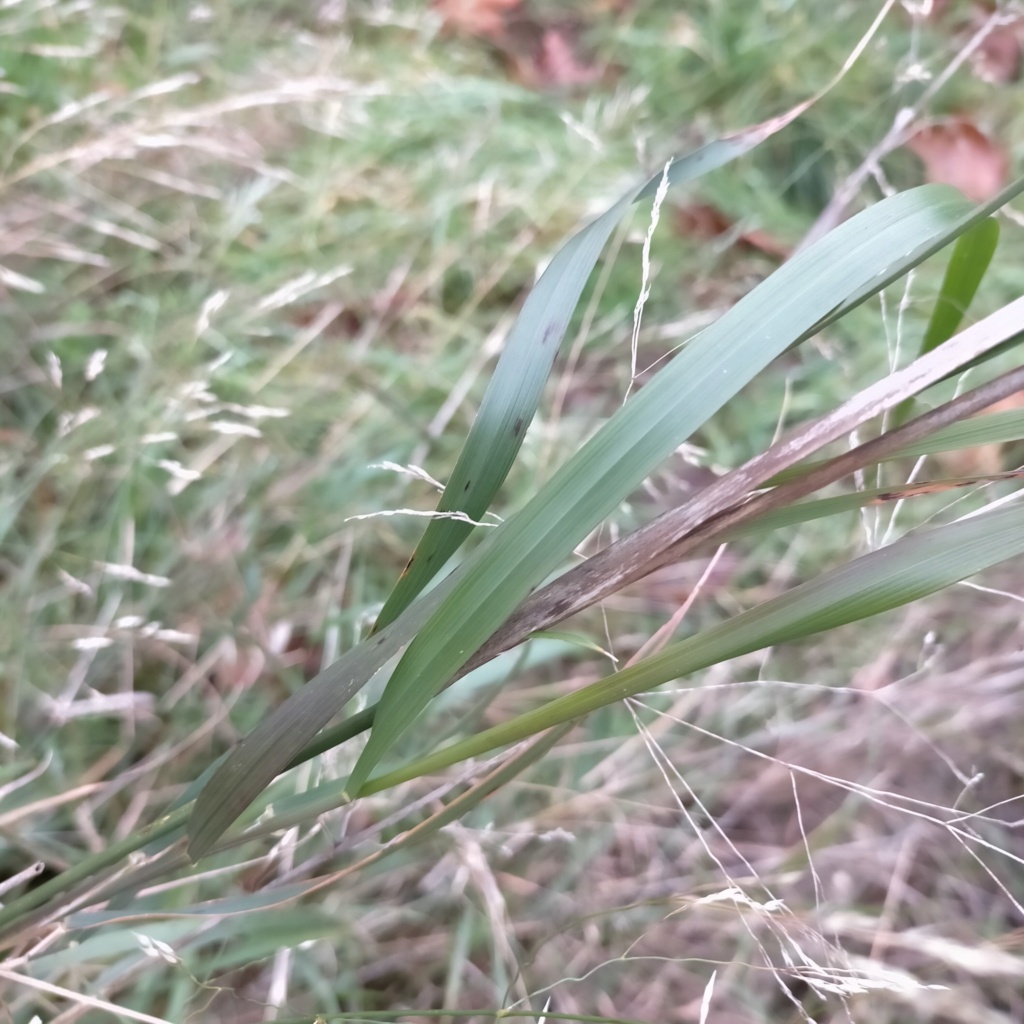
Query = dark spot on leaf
x=550 y=333
x=466 y=488
x=517 y=427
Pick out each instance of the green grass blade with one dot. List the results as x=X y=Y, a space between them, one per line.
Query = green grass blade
x=273 y=745
x=328 y=796
x=920 y=564
x=992 y=428
x=968 y=263
x=771 y=509
x=277 y=741
x=707 y=373
x=507 y=408
x=821 y=508
x=513 y=393
x=270 y=747
x=975 y=217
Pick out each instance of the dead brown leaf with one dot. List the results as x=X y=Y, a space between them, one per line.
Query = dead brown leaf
x=547 y=56
x=998 y=59
x=558 y=64
x=476 y=17
x=958 y=153
x=764 y=242
x=704 y=221
x=701 y=220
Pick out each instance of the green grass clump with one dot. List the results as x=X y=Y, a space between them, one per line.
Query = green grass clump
x=256 y=256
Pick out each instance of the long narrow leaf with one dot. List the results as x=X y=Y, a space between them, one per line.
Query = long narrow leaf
x=821 y=508
x=920 y=564
x=270 y=748
x=709 y=371
x=968 y=262
x=975 y=217
x=992 y=428
x=510 y=401
x=705 y=523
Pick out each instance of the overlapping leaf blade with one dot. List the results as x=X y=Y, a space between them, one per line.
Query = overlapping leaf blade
x=968 y=263
x=270 y=748
x=286 y=732
x=991 y=428
x=920 y=564
x=510 y=401
x=709 y=371
x=972 y=253
x=820 y=508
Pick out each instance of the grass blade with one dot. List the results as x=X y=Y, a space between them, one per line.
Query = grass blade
x=273 y=745
x=270 y=747
x=807 y=511
x=920 y=564
x=992 y=428
x=975 y=217
x=734 y=513
x=709 y=371
x=968 y=263
x=513 y=393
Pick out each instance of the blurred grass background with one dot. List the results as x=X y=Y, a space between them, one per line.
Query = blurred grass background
x=249 y=252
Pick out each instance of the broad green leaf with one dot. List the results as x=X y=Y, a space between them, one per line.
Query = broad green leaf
x=712 y=368
x=510 y=401
x=920 y=564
